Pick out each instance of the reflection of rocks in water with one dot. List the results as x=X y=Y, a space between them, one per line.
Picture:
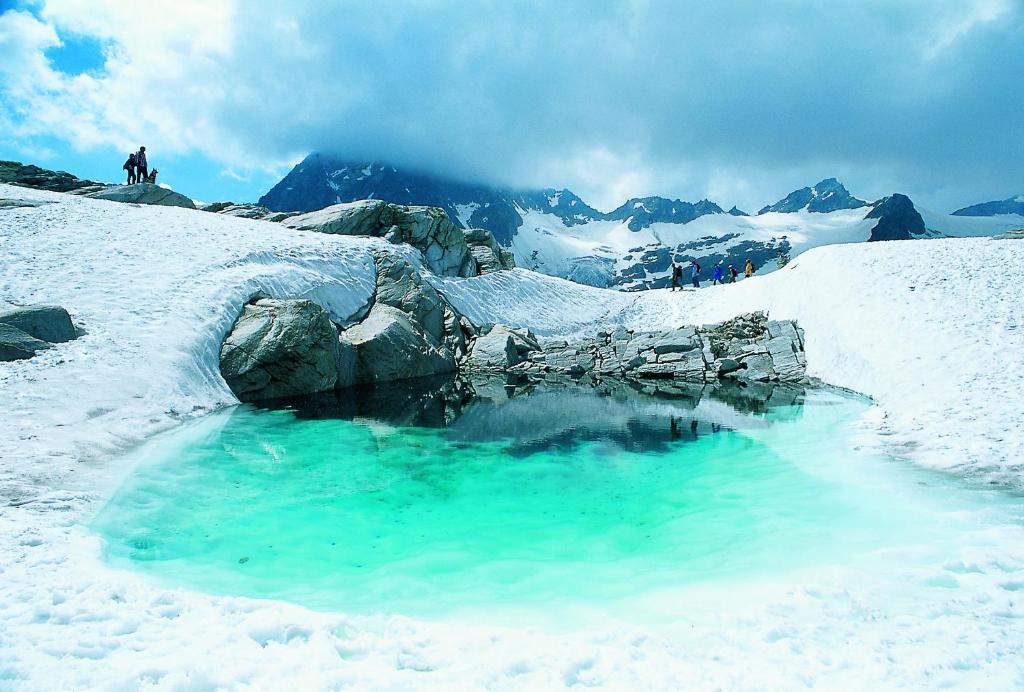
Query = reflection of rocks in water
x=557 y=412
x=429 y=402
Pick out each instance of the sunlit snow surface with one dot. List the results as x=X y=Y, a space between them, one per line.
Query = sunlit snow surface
x=931 y=329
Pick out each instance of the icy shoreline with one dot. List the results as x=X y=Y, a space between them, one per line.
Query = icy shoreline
x=155 y=288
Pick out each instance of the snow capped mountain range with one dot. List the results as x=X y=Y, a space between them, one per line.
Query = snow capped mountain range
x=632 y=247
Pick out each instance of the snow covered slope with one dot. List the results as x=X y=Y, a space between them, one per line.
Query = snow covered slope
x=925 y=326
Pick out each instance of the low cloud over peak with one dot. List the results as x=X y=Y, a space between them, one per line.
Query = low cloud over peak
x=738 y=102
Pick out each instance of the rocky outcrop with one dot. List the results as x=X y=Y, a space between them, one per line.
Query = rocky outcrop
x=898 y=219
x=390 y=346
x=17 y=345
x=50 y=323
x=747 y=348
x=282 y=348
x=1010 y=235
x=144 y=193
x=428 y=229
x=247 y=211
x=489 y=256
x=27 y=330
x=15 y=173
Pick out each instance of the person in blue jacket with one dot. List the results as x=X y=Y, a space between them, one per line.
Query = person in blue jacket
x=716 y=277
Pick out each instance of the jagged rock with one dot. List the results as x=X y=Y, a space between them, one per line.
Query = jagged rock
x=17 y=345
x=247 y=211
x=898 y=219
x=16 y=173
x=489 y=256
x=50 y=323
x=1010 y=235
x=281 y=348
x=144 y=193
x=401 y=286
x=428 y=229
x=390 y=346
x=501 y=347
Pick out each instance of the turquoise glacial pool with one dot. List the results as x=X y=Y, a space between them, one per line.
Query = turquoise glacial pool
x=459 y=499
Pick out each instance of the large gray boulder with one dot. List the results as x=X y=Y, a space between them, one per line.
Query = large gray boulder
x=281 y=348
x=144 y=193
x=500 y=348
x=16 y=173
x=489 y=256
x=50 y=323
x=391 y=346
x=17 y=345
x=401 y=286
x=428 y=229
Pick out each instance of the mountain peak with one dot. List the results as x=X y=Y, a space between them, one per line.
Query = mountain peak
x=826 y=195
x=1013 y=205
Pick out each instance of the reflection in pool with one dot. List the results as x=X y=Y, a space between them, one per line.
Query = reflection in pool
x=454 y=496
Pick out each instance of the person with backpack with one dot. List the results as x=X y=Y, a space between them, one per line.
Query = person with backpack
x=733 y=274
x=129 y=166
x=716 y=277
x=695 y=273
x=677 y=275
x=748 y=270
x=141 y=165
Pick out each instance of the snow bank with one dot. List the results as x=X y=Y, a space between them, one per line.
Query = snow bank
x=931 y=329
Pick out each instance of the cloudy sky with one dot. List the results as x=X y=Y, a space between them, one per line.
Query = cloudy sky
x=739 y=102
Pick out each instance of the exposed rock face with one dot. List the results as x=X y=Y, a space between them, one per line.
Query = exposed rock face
x=390 y=346
x=50 y=323
x=500 y=348
x=748 y=348
x=1010 y=235
x=247 y=211
x=17 y=345
x=15 y=173
x=144 y=193
x=641 y=212
x=401 y=286
x=897 y=219
x=428 y=229
x=489 y=256
x=282 y=348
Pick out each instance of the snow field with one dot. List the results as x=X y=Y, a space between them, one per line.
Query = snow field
x=931 y=329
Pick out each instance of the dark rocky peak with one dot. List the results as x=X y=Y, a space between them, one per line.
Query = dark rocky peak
x=564 y=204
x=644 y=211
x=1013 y=205
x=898 y=219
x=828 y=195
x=736 y=211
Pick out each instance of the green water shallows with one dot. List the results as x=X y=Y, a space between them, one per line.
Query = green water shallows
x=565 y=499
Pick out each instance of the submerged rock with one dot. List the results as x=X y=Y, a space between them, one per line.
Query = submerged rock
x=282 y=348
x=144 y=193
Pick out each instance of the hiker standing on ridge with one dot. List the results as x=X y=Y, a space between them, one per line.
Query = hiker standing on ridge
x=677 y=275
x=733 y=274
x=141 y=165
x=695 y=273
x=748 y=270
x=716 y=278
x=129 y=166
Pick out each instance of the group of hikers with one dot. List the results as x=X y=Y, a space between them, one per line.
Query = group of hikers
x=138 y=168
x=720 y=274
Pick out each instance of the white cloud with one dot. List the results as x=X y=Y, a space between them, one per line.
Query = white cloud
x=737 y=101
